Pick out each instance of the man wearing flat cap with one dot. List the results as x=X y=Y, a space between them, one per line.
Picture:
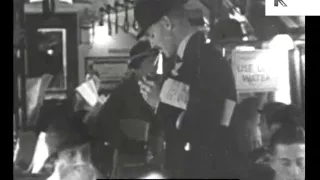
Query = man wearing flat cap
x=197 y=99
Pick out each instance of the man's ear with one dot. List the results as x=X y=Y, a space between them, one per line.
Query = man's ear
x=167 y=23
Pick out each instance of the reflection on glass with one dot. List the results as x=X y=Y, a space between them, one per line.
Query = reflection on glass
x=52 y=45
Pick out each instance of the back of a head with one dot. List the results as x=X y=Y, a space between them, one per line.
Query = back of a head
x=270 y=107
x=288 y=115
x=288 y=135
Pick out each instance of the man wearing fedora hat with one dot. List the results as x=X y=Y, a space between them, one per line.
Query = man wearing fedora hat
x=125 y=101
x=197 y=115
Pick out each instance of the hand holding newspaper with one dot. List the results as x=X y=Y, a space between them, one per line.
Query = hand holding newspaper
x=89 y=92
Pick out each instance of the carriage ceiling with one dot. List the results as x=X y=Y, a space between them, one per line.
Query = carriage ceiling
x=250 y=12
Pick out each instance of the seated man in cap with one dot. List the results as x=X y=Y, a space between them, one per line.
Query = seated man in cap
x=200 y=119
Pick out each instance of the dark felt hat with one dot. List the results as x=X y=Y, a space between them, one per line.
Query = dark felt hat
x=271 y=107
x=288 y=115
x=148 y=12
x=139 y=52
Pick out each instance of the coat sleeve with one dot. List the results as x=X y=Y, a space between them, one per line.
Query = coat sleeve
x=214 y=84
x=222 y=77
x=107 y=125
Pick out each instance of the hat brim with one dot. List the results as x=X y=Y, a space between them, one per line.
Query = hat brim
x=137 y=60
x=141 y=33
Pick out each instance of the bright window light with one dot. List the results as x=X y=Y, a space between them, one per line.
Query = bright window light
x=41 y=153
x=101 y=35
x=153 y=176
x=281 y=41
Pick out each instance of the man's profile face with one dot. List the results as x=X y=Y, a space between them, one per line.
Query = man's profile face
x=288 y=161
x=160 y=36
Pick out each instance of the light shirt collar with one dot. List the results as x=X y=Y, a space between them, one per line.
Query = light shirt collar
x=183 y=44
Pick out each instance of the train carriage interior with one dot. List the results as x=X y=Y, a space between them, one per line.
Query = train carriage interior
x=73 y=75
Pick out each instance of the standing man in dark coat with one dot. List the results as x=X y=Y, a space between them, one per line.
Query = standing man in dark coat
x=196 y=117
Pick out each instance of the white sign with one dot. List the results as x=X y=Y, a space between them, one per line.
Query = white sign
x=292 y=7
x=257 y=71
x=175 y=93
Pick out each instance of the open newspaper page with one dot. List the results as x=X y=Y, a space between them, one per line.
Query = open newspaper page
x=35 y=95
x=88 y=91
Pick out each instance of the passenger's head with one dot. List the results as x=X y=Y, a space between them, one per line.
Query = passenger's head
x=268 y=110
x=266 y=123
x=288 y=153
x=71 y=164
x=95 y=76
x=165 y=23
x=142 y=59
x=287 y=115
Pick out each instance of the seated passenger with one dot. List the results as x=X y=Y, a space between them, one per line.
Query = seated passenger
x=285 y=118
x=287 y=150
x=288 y=153
x=282 y=116
x=265 y=119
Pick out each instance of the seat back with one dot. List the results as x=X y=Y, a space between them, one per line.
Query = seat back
x=136 y=129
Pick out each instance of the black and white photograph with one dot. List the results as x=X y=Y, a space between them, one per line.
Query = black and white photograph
x=158 y=89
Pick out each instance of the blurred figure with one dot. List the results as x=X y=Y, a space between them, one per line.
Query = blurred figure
x=274 y=116
x=125 y=102
x=73 y=163
x=288 y=132
x=265 y=123
x=247 y=133
x=287 y=115
x=288 y=153
x=287 y=156
x=246 y=122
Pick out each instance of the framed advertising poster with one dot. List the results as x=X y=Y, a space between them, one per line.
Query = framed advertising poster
x=259 y=70
x=52 y=41
x=110 y=69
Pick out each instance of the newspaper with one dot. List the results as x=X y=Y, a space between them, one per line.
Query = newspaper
x=35 y=95
x=89 y=92
x=175 y=93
